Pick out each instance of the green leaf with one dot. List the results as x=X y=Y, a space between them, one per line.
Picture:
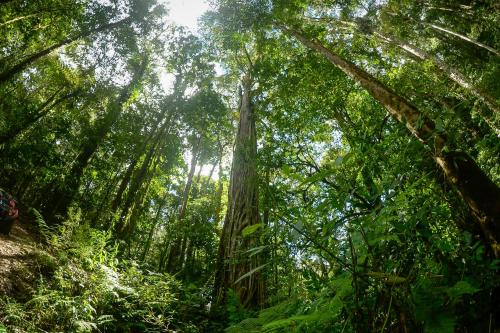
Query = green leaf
x=255 y=250
x=248 y=274
x=318 y=176
x=247 y=231
x=384 y=238
x=461 y=288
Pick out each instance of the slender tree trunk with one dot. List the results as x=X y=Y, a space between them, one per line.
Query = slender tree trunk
x=198 y=176
x=9 y=73
x=156 y=221
x=124 y=184
x=29 y=120
x=415 y=52
x=19 y=18
x=478 y=191
x=117 y=201
x=103 y=201
x=453 y=73
x=462 y=37
x=165 y=247
x=449 y=32
x=63 y=195
x=174 y=256
x=243 y=211
x=189 y=183
x=138 y=205
x=133 y=191
x=218 y=195
x=128 y=174
x=40 y=12
x=210 y=174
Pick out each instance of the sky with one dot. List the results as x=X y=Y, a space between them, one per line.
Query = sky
x=186 y=12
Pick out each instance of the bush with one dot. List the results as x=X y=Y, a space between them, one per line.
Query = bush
x=90 y=289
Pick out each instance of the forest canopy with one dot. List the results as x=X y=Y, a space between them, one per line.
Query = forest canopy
x=294 y=166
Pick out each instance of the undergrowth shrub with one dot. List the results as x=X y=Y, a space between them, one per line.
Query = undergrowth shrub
x=90 y=289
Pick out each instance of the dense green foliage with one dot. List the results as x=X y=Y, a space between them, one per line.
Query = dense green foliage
x=117 y=126
x=90 y=289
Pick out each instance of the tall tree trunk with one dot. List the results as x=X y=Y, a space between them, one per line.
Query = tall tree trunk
x=62 y=196
x=155 y=223
x=138 y=205
x=19 y=18
x=189 y=182
x=415 y=52
x=462 y=37
x=95 y=217
x=198 y=176
x=218 y=195
x=174 y=256
x=210 y=174
x=137 y=182
x=453 y=73
x=243 y=211
x=117 y=201
x=9 y=73
x=138 y=153
x=35 y=14
x=448 y=32
x=478 y=191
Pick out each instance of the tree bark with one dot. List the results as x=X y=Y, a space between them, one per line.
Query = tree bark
x=478 y=191
x=243 y=211
x=218 y=195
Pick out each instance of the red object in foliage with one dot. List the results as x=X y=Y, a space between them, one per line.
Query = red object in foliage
x=13 y=212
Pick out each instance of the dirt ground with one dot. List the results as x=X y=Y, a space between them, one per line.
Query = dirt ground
x=19 y=264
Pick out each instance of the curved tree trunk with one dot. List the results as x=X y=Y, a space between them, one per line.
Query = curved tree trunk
x=478 y=191
x=236 y=269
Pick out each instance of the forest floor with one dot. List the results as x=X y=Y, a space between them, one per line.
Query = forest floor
x=19 y=262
